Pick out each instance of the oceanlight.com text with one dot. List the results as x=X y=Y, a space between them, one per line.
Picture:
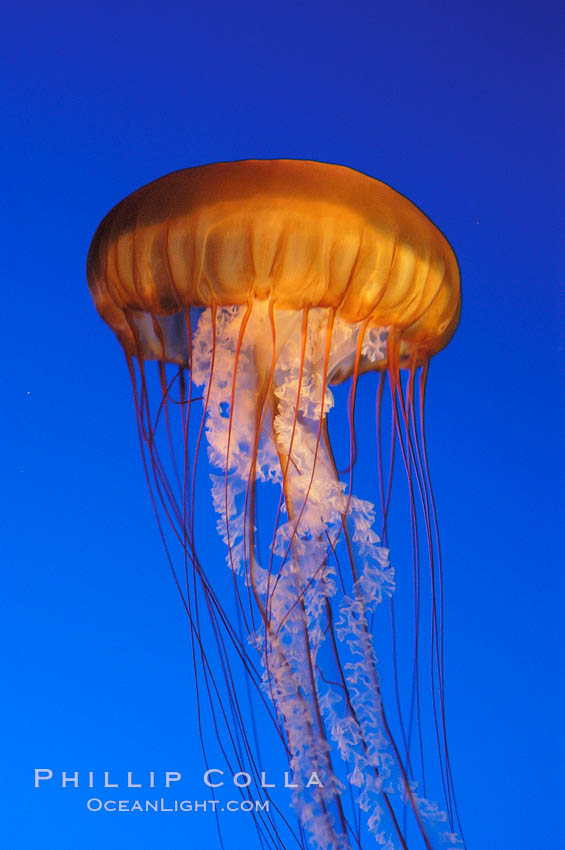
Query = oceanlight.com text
x=95 y=804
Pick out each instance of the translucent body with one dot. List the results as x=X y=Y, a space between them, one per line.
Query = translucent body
x=256 y=286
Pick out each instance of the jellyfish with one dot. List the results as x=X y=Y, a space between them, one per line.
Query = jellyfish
x=254 y=302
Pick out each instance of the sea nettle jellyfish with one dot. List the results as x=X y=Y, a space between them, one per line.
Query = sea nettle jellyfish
x=257 y=288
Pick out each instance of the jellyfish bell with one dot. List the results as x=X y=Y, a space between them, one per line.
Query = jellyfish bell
x=256 y=286
x=299 y=234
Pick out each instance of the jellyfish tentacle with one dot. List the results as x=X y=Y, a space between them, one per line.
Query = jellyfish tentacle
x=275 y=412
x=435 y=525
x=412 y=458
x=290 y=689
x=209 y=677
x=296 y=618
